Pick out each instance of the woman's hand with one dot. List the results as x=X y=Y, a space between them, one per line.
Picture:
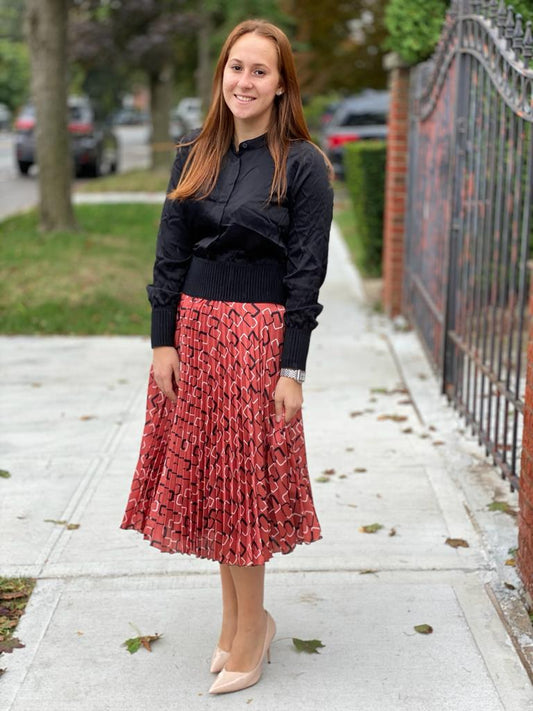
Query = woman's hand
x=166 y=367
x=288 y=398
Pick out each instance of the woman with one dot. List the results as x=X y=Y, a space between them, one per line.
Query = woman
x=241 y=255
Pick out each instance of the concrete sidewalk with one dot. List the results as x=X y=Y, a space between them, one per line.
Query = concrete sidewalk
x=72 y=415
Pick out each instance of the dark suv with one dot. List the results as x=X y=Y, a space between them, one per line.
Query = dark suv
x=94 y=146
x=357 y=118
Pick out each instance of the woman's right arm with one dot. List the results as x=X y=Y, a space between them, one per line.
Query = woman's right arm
x=172 y=259
x=173 y=256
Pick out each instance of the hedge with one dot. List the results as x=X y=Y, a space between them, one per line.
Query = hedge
x=364 y=165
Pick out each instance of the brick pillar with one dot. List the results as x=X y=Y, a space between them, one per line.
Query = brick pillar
x=395 y=184
x=525 y=494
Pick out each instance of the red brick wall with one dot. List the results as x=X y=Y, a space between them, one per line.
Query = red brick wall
x=395 y=190
x=525 y=494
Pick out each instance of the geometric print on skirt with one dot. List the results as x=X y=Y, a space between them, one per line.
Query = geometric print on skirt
x=217 y=477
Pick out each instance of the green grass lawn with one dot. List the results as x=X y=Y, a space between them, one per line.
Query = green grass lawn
x=87 y=282
x=92 y=281
x=345 y=218
x=151 y=181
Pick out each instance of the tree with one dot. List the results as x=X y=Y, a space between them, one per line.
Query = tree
x=47 y=36
x=340 y=44
x=137 y=35
x=14 y=73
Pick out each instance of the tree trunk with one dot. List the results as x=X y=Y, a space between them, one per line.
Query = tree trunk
x=161 y=86
x=203 y=73
x=47 y=37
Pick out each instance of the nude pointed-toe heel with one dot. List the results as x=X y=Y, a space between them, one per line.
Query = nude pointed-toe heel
x=228 y=681
x=219 y=658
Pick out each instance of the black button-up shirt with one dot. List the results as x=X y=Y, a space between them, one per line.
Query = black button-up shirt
x=237 y=245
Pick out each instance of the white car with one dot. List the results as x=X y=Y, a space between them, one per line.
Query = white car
x=186 y=116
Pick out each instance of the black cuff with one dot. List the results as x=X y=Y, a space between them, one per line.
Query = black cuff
x=163 y=326
x=295 y=348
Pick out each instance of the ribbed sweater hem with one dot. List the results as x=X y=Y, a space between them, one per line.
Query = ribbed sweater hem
x=231 y=281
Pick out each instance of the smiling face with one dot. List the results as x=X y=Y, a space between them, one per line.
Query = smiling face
x=249 y=84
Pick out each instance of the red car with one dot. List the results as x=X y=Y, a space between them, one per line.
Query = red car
x=357 y=118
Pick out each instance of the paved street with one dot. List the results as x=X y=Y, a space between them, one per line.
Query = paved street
x=19 y=192
x=70 y=427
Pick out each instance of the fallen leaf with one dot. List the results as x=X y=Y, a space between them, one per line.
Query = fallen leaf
x=353 y=506
x=438 y=443
x=511 y=561
x=4 y=474
x=322 y=479
x=87 y=417
x=457 y=543
x=9 y=645
x=349 y=449
x=307 y=645
x=367 y=572
x=134 y=643
x=36 y=385
x=392 y=532
x=432 y=428
x=359 y=470
x=385 y=391
x=62 y=522
x=509 y=586
x=2 y=671
x=342 y=476
x=329 y=472
x=502 y=506
x=394 y=418
x=356 y=413
x=370 y=528
x=13 y=595
x=424 y=435
x=424 y=629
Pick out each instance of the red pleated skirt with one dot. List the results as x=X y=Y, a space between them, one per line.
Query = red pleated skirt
x=217 y=477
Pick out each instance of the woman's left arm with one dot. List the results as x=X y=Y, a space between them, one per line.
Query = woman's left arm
x=310 y=196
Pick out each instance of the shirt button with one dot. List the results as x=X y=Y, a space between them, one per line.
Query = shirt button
x=244 y=145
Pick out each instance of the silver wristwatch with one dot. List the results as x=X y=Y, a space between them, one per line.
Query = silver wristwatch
x=298 y=375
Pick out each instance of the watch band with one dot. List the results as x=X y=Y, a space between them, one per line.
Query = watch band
x=298 y=375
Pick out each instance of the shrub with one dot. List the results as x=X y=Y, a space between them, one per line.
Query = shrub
x=364 y=164
x=414 y=27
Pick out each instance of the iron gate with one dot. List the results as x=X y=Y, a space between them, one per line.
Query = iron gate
x=469 y=217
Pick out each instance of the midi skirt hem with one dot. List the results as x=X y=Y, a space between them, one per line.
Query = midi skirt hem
x=268 y=554
x=218 y=477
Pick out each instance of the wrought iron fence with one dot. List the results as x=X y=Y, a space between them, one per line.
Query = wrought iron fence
x=469 y=218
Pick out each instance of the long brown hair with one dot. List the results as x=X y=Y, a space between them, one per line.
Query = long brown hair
x=202 y=167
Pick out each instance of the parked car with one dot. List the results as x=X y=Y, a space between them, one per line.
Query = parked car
x=94 y=146
x=357 y=118
x=185 y=117
x=5 y=117
x=130 y=117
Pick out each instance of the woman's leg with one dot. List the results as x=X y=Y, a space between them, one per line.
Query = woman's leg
x=229 y=609
x=247 y=645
